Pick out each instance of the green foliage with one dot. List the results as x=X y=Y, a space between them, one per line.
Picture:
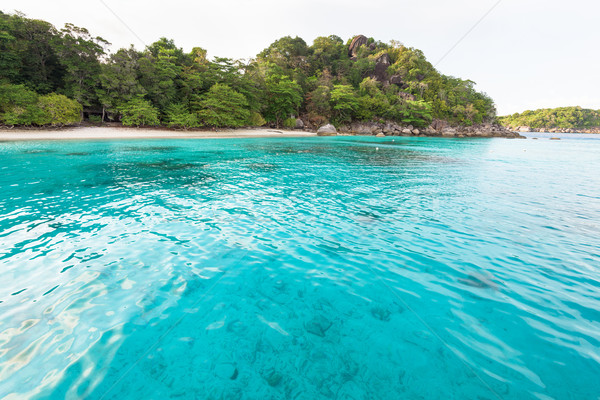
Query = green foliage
x=95 y=119
x=138 y=112
x=320 y=81
x=34 y=48
x=283 y=98
x=343 y=103
x=60 y=110
x=119 y=80
x=9 y=60
x=19 y=106
x=417 y=113
x=256 y=119
x=288 y=53
x=549 y=118
x=290 y=123
x=178 y=116
x=160 y=73
x=79 y=54
x=223 y=107
x=318 y=105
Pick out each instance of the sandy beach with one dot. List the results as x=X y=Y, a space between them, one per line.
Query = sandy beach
x=107 y=133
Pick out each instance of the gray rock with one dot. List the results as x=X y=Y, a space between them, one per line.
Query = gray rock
x=381 y=313
x=396 y=80
x=438 y=124
x=318 y=325
x=448 y=131
x=299 y=124
x=226 y=371
x=381 y=65
x=327 y=130
x=272 y=377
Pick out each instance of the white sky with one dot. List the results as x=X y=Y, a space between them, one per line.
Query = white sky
x=525 y=54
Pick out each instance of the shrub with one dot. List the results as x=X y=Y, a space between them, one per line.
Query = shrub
x=256 y=119
x=19 y=106
x=138 y=112
x=290 y=123
x=95 y=119
x=59 y=109
x=179 y=116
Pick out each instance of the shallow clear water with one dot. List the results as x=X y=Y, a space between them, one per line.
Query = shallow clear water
x=315 y=268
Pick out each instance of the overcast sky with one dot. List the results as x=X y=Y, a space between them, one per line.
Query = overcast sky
x=525 y=54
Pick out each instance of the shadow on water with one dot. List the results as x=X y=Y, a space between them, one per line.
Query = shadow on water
x=360 y=151
x=263 y=167
x=161 y=173
x=150 y=149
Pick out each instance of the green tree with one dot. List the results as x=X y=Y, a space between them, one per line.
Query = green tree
x=283 y=97
x=179 y=116
x=19 y=106
x=138 y=112
x=9 y=60
x=80 y=56
x=161 y=73
x=288 y=53
x=59 y=109
x=223 y=107
x=119 y=80
x=344 y=103
x=34 y=45
x=318 y=105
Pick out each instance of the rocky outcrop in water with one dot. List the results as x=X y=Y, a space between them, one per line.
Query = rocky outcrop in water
x=437 y=128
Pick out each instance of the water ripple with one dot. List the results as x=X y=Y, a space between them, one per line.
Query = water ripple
x=316 y=268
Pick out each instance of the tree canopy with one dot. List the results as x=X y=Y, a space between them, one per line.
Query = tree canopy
x=550 y=118
x=319 y=82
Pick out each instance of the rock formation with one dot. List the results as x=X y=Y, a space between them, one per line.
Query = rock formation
x=396 y=80
x=358 y=41
x=437 y=128
x=381 y=65
x=327 y=130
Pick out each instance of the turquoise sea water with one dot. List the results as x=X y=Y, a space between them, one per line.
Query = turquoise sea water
x=313 y=268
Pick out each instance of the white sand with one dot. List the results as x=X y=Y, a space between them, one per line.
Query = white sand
x=79 y=133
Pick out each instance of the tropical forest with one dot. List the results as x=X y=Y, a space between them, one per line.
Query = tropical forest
x=575 y=118
x=51 y=76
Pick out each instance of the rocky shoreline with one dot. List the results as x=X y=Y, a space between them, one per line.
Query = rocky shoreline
x=438 y=128
x=554 y=130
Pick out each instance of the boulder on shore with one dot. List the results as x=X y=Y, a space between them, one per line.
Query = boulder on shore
x=327 y=130
x=299 y=124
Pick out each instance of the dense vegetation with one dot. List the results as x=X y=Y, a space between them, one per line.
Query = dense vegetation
x=50 y=76
x=550 y=118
